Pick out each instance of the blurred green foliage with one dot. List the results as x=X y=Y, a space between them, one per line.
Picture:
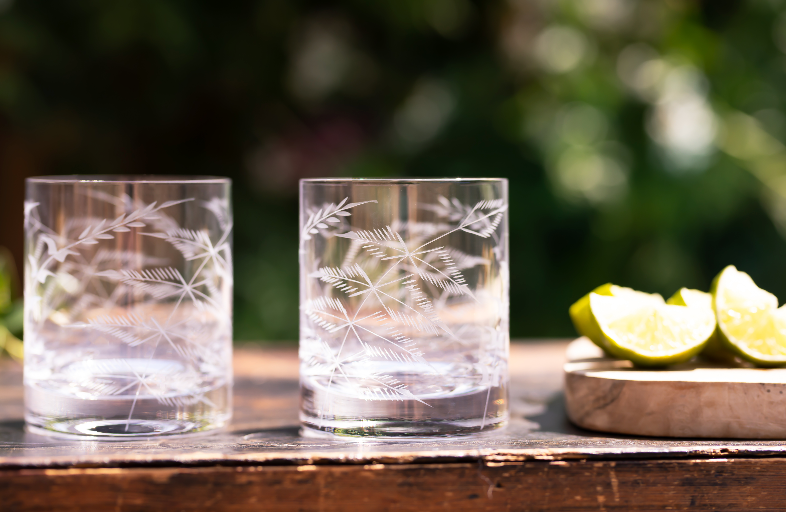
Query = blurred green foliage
x=11 y=310
x=643 y=139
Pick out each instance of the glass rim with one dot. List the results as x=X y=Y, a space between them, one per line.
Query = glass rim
x=399 y=181
x=128 y=178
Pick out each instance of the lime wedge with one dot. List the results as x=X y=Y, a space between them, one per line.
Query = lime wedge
x=581 y=315
x=651 y=334
x=713 y=350
x=750 y=324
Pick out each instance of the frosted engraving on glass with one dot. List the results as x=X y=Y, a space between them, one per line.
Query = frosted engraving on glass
x=397 y=320
x=112 y=330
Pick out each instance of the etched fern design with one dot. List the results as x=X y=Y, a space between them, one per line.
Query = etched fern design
x=389 y=292
x=320 y=221
x=79 y=279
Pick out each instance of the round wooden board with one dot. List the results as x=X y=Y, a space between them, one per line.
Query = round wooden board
x=691 y=400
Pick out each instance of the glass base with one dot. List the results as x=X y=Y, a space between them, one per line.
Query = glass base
x=134 y=417
x=114 y=430
x=470 y=411
x=397 y=429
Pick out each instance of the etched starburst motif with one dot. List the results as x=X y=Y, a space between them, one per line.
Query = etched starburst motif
x=92 y=280
x=399 y=289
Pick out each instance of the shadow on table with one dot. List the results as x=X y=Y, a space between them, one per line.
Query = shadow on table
x=550 y=420
x=554 y=419
x=12 y=431
x=13 y=434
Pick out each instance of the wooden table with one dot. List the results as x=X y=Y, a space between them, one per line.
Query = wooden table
x=540 y=462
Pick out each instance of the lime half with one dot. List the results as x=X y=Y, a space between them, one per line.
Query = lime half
x=750 y=323
x=651 y=334
x=581 y=315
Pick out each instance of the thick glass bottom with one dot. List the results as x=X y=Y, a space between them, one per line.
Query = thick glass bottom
x=324 y=411
x=397 y=429
x=130 y=417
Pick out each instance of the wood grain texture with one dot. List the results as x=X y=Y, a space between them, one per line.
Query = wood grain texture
x=694 y=400
x=724 y=484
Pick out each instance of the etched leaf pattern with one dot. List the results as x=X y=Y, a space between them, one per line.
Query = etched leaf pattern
x=392 y=285
x=78 y=270
x=320 y=221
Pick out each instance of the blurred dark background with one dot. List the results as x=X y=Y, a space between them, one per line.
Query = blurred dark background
x=643 y=140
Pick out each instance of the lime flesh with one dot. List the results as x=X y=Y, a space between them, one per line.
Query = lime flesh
x=582 y=319
x=713 y=350
x=750 y=324
x=649 y=333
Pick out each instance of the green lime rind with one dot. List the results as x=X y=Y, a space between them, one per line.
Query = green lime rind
x=750 y=324
x=581 y=316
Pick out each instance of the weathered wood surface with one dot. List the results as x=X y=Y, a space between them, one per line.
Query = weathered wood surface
x=725 y=484
x=540 y=462
x=696 y=399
